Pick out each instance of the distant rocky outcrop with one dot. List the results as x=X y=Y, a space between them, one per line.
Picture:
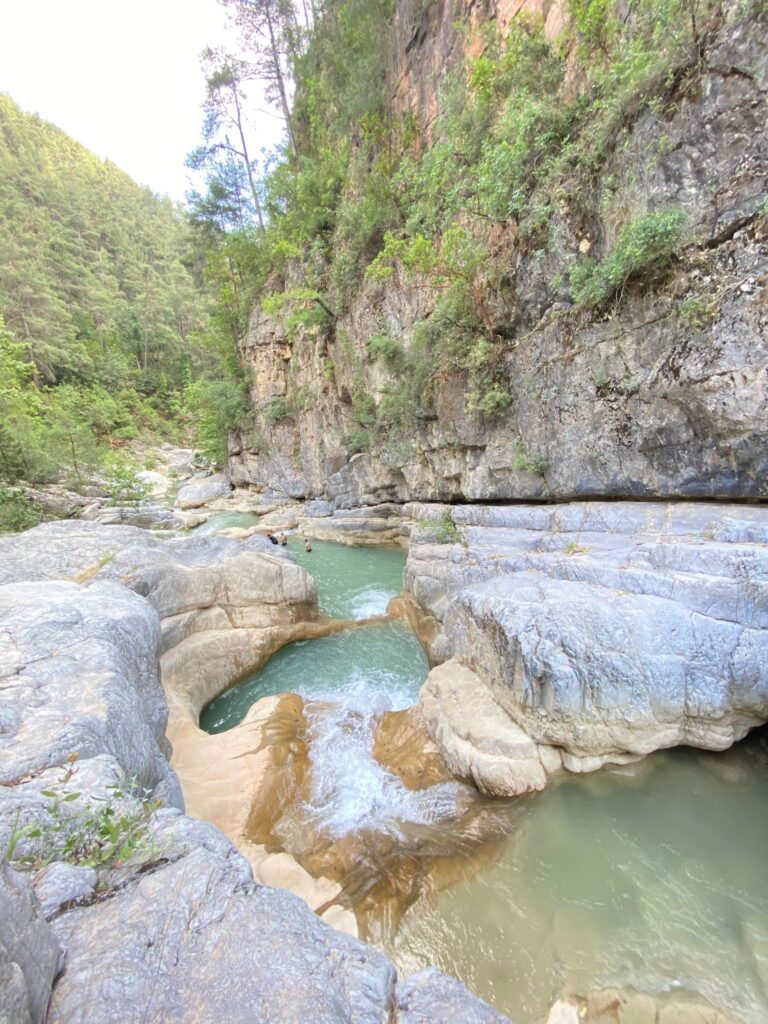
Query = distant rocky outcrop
x=584 y=634
x=199 y=492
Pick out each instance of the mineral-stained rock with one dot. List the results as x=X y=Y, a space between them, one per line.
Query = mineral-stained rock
x=404 y=747
x=430 y=997
x=29 y=952
x=200 y=491
x=604 y=630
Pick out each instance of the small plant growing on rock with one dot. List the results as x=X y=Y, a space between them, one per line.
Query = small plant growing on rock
x=576 y=549
x=102 y=832
x=697 y=313
x=278 y=409
x=528 y=462
x=443 y=530
x=385 y=348
x=644 y=246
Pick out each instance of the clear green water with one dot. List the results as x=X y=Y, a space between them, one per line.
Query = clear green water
x=353 y=583
x=226 y=521
x=375 y=668
x=655 y=881
x=352 y=677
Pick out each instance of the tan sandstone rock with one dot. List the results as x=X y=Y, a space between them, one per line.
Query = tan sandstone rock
x=477 y=737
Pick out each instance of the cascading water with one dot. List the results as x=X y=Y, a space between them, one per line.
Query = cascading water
x=347 y=681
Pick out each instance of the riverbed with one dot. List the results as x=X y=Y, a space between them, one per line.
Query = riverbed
x=649 y=876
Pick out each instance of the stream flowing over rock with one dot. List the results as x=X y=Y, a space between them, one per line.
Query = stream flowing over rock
x=593 y=633
x=181 y=930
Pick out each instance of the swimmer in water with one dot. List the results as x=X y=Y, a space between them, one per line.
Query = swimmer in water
x=307 y=544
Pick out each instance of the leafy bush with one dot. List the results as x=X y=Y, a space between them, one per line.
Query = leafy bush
x=389 y=351
x=644 y=246
x=121 y=478
x=278 y=409
x=217 y=407
x=16 y=511
x=528 y=462
x=356 y=441
x=443 y=530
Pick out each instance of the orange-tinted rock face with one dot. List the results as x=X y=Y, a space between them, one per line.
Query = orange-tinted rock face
x=432 y=38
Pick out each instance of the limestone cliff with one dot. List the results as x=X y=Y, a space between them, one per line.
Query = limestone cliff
x=658 y=391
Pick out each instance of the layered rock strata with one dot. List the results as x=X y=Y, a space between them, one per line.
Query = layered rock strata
x=592 y=633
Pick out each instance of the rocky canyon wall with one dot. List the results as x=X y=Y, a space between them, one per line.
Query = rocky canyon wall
x=660 y=392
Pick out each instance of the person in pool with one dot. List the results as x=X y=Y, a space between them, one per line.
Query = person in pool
x=307 y=544
x=272 y=538
x=283 y=539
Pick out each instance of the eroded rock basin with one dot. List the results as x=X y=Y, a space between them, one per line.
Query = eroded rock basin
x=646 y=877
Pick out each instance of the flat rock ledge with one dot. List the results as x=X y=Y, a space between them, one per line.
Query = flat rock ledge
x=592 y=633
x=180 y=931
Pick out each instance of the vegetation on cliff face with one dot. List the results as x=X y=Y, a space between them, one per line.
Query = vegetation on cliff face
x=524 y=130
x=103 y=323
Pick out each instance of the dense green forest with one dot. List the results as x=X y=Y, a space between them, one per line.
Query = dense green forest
x=105 y=326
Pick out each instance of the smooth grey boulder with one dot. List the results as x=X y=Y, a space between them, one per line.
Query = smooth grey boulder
x=29 y=952
x=252 y=580
x=598 y=674
x=79 y=676
x=430 y=997
x=198 y=941
x=200 y=492
x=145 y=516
x=68 y=550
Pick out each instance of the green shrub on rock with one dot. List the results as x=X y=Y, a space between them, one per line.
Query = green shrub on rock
x=121 y=477
x=16 y=511
x=645 y=246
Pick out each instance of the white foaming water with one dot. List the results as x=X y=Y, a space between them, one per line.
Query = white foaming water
x=350 y=790
x=369 y=602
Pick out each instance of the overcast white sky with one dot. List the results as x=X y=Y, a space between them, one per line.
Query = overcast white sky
x=120 y=76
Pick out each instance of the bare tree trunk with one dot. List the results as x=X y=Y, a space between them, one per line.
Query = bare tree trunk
x=275 y=50
x=246 y=158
